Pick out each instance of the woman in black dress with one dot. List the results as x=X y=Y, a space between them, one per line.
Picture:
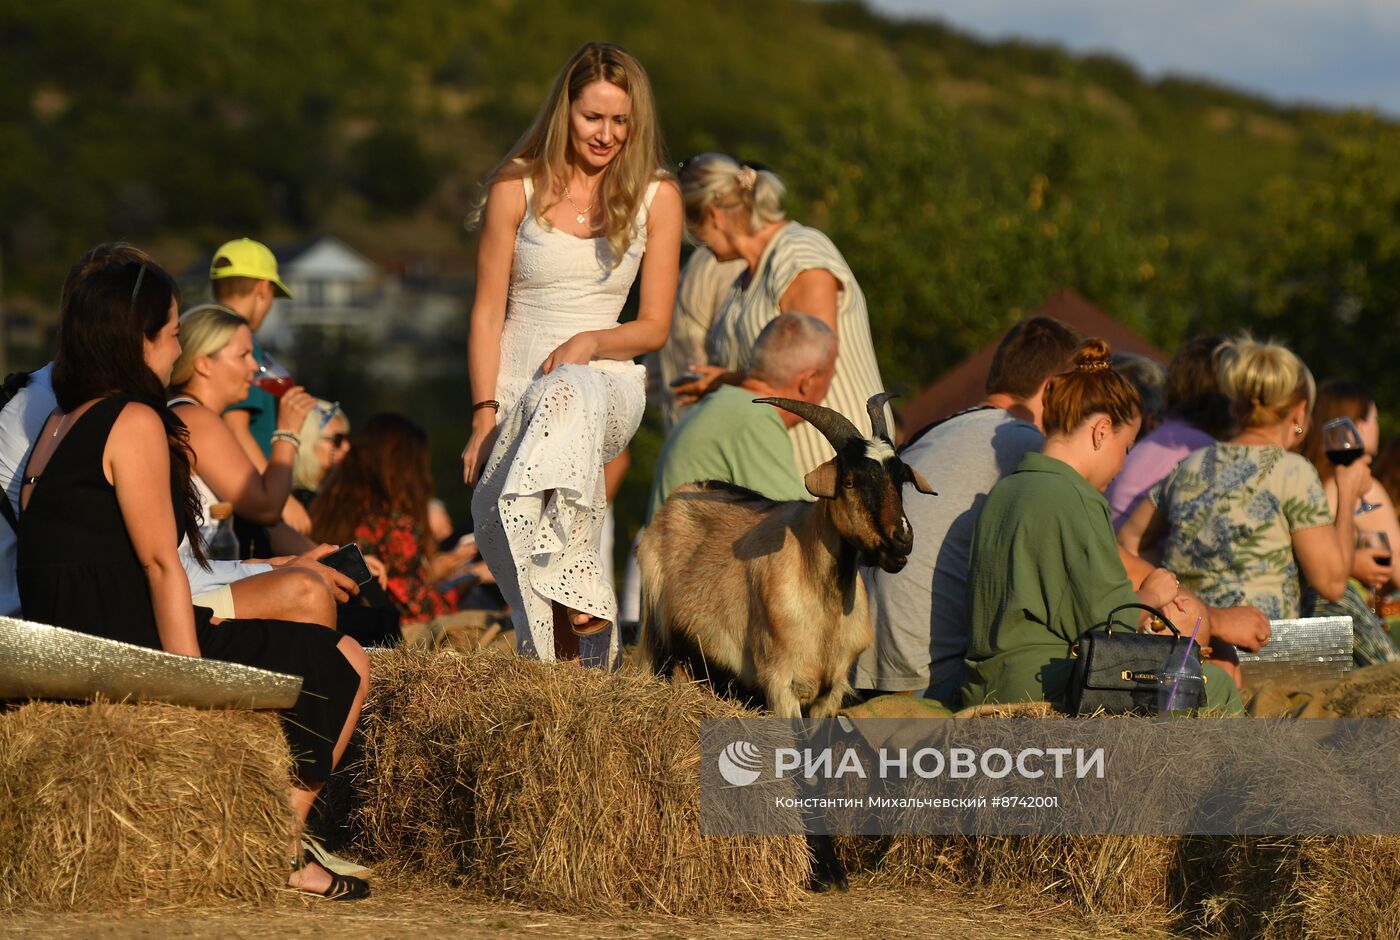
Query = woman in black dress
x=106 y=498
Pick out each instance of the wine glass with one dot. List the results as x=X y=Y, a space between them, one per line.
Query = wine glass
x=1378 y=542
x=1342 y=441
x=273 y=378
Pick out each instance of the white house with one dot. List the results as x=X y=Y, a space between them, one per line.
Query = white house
x=333 y=286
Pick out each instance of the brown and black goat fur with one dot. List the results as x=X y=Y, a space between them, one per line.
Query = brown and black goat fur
x=764 y=599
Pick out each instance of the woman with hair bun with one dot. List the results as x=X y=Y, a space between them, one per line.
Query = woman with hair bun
x=1045 y=568
x=736 y=211
x=1244 y=517
x=579 y=208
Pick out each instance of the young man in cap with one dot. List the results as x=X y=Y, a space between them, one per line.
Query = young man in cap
x=244 y=278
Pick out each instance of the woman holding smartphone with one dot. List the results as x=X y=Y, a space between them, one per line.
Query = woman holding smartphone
x=377 y=497
x=107 y=496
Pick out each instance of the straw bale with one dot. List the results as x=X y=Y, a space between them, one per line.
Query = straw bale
x=573 y=789
x=104 y=806
x=1372 y=692
x=1318 y=887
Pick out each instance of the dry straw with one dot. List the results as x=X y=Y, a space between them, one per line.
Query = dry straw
x=104 y=806
x=572 y=789
x=1217 y=886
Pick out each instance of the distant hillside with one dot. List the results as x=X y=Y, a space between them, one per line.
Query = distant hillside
x=964 y=180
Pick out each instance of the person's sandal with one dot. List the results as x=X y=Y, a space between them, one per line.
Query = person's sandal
x=595 y=625
x=341 y=888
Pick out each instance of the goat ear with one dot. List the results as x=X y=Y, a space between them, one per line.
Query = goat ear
x=821 y=482
x=920 y=483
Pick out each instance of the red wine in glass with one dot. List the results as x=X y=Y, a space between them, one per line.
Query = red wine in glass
x=275 y=385
x=1344 y=458
x=1341 y=441
x=273 y=378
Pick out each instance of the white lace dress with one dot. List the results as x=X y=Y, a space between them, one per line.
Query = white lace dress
x=540 y=503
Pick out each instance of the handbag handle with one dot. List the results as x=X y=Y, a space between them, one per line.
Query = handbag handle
x=1108 y=627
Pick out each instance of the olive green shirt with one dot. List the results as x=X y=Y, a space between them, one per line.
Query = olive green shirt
x=1045 y=568
x=726 y=436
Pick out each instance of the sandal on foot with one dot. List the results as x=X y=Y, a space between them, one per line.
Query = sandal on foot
x=332 y=863
x=341 y=888
x=593 y=627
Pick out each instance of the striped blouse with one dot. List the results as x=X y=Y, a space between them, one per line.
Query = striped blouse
x=747 y=310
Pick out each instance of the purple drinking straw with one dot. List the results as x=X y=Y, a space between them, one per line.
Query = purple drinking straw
x=1176 y=682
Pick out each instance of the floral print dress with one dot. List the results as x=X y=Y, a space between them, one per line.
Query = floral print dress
x=398 y=541
x=1232 y=510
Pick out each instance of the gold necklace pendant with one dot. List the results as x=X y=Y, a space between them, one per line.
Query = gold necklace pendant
x=581 y=215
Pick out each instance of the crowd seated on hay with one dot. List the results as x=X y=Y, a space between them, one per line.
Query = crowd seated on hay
x=1286 y=547
x=1219 y=517
x=98 y=548
x=83 y=543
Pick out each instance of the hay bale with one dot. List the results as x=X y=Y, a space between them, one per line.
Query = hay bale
x=1099 y=875
x=104 y=805
x=572 y=789
x=1372 y=692
x=1316 y=887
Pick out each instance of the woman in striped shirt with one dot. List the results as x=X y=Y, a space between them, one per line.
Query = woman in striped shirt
x=736 y=211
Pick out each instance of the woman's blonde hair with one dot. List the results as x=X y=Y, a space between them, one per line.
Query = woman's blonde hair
x=306 y=472
x=542 y=152
x=204 y=330
x=1263 y=380
x=716 y=179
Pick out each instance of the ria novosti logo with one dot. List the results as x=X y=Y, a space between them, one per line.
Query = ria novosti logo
x=740 y=763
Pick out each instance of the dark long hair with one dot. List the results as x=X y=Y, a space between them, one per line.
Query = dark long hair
x=105 y=315
x=386 y=470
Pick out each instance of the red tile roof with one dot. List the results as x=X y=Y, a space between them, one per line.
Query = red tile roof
x=966 y=384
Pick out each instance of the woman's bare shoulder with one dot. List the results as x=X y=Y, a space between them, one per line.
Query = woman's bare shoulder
x=139 y=417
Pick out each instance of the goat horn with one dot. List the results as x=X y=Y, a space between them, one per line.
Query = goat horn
x=876 y=407
x=832 y=424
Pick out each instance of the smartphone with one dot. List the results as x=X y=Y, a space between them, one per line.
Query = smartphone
x=349 y=561
x=686 y=378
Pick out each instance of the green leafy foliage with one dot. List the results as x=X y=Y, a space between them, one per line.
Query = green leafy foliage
x=964 y=180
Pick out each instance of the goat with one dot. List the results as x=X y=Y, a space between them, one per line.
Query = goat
x=764 y=599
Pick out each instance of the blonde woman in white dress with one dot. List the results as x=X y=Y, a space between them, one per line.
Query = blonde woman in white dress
x=575 y=211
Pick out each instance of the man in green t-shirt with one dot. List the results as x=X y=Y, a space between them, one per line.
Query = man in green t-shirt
x=728 y=437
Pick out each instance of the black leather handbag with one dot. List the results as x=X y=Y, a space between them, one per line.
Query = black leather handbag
x=1115 y=667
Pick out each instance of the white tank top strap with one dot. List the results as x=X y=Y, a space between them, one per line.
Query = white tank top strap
x=651 y=193
x=529 y=185
x=180 y=400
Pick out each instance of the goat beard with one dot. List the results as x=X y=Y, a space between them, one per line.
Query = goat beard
x=886 y=561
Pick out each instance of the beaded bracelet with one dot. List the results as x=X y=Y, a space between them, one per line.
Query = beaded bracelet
x=287 y=436
x=488 y=403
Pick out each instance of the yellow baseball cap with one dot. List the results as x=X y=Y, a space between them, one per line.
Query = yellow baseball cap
x=244 y=257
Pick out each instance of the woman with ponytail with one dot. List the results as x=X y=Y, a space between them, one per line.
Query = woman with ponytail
x=736 y=210
x=1244 y=518
x=1045 y=567
x=106 y=499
